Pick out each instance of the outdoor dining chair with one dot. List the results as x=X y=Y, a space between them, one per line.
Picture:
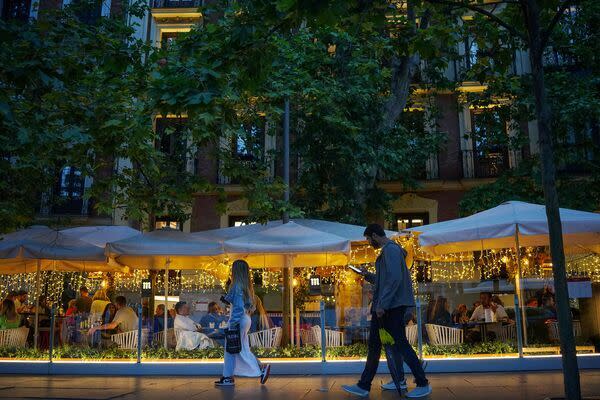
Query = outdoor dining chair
x=16 y=337
x=553 y=330
x=129 y=340
x=308 y=337
x=267 y=339
x=507 y=333
x=443 y=335
x=332 y=338
x=158 y=339
x=412 y=334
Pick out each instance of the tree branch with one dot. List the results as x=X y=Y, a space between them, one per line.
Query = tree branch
x=555 y=20
x=486 y=13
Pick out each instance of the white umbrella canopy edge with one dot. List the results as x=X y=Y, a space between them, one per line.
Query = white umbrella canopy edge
x=497 y=228
x=153 y=250
x=100 y=235
x=353 y=233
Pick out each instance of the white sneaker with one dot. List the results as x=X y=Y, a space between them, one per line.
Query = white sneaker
x=355 y=390
x=392 y=386
x=419 y=391
x=224 y=382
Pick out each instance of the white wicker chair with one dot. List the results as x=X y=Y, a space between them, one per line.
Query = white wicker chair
x=267 y=339
x=506 y=333
x=553 y=330
x=412 y=334
x=332 y=338
x=443 y=335
x=129 y=340
x=159 y=338
x=16 y=337
x=308 y=337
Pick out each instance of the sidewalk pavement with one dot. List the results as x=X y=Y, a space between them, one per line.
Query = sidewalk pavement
x=471 y=386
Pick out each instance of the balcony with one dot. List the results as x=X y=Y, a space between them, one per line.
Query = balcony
x=177 y=4
x=485 y=165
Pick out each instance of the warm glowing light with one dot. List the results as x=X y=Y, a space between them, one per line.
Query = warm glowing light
x=505 y=259
x=295 y=282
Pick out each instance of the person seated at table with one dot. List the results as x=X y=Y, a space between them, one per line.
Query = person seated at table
x=496 y=299
x=410 y=318
x=44 y=311
x=440 y=314
x=214 y=316
x=9 y=318
x=549 y=307
x=159 y=319
x=459 y=316
x=108 y=315
x=21 y=302
x=260 y=321
x=189 y=336
x=498 y=312
x=472 y=310
x=12 y=295
x=84 y=302
x=99 y=303
x=71 y=308
x=125 y=319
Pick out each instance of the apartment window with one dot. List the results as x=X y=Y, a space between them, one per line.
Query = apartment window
x=167 y=223
x=249 y=142
x=69 y=191
x=490 y=153
x=16 y=9
x=172 y=140
x=88 y=11
x=411 y=220
x=167 y=38
x=239 y=220
x=471 y=52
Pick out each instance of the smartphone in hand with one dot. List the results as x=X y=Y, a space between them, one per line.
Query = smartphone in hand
x=224 y=300
x=357 y=270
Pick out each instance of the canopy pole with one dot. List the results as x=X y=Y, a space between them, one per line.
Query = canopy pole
x=291 y=288
x=519 y=287
x=37 y=304
x=166 y=316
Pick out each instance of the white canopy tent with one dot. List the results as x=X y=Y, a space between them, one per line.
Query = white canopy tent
x=301 y=242
x=510 y=225
x=40 y=248
x=501 y=226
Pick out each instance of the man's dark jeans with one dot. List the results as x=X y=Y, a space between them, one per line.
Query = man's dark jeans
x=401 y=351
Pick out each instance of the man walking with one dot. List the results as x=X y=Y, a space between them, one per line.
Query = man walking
x=393 y=296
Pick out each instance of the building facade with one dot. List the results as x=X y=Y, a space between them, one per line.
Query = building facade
x=462 y=164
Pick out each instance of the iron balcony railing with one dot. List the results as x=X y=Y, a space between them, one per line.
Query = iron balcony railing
x=177 y=3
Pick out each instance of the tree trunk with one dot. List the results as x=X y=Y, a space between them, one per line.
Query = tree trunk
x=403 y=69
x=543 y=113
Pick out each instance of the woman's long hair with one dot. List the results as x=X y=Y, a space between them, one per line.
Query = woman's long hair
x=441 y=306
x=9 y=310
x=240 y=275
x=107 y=315
x=263 y=319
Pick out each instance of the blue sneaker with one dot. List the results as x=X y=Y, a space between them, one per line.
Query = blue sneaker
x=419 y=391
x=392 y=386
x=355 y=390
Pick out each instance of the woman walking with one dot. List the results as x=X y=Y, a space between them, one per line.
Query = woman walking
x=241 y=298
